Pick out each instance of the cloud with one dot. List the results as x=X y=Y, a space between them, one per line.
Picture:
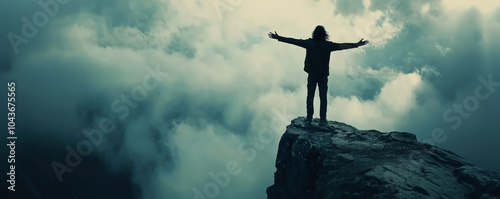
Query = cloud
x=457 y=48
x=346 y=8
x=227 y=83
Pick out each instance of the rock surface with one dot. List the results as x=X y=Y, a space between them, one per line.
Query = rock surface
x=335 y=160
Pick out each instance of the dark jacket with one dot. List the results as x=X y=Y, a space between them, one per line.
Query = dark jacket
x=317 y=53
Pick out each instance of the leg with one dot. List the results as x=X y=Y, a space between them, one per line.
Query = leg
x=311 y=89
x=323 y=90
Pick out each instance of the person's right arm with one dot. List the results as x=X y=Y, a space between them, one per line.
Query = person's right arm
x=298 y=42
x=343 y=46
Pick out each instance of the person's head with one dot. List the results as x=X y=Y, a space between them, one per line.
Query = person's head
x=320 y=33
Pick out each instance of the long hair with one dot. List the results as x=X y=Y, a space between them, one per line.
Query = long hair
x=320 y=34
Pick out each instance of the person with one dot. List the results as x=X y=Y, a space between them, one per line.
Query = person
x=316 y=64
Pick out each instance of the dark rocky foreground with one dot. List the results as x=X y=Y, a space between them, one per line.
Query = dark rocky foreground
x=335 y=160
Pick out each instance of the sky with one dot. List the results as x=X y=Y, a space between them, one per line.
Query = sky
x=191 y=97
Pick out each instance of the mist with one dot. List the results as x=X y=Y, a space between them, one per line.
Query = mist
x=191 y=97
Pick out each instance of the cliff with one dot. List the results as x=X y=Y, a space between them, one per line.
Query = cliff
x=335 y=160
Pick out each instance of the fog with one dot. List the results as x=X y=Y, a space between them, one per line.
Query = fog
x=190 y=90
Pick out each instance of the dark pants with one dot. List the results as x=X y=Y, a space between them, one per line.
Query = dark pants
x=322 y=82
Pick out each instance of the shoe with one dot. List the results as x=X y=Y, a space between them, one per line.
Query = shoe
x=323 y=120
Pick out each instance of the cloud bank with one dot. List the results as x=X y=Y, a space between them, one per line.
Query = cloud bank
x=226 y=92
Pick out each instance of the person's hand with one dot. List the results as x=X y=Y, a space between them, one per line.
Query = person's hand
x=273 y=35
x=362 y=43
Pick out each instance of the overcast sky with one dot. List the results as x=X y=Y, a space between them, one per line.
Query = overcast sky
x=221 y=83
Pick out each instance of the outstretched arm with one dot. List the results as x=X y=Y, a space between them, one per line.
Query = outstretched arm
x=298 y=42
x=343 y=46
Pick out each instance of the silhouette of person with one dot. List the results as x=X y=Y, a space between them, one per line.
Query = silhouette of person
x=316 y=64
